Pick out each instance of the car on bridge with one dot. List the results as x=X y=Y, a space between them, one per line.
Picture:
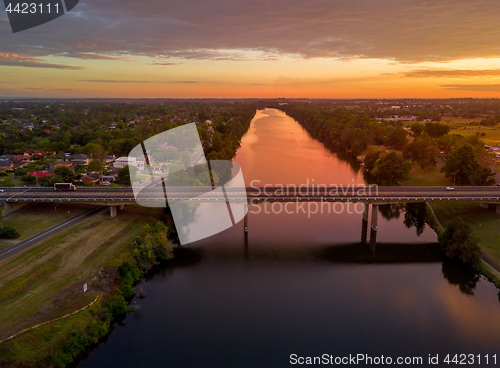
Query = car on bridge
x=450 y=188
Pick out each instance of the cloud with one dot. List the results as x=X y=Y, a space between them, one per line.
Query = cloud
x=31 y=62
x=401 y=30
x=185 y=82
x=458 y=73
x=166 y=63
x=473 y=87
x=114 y=81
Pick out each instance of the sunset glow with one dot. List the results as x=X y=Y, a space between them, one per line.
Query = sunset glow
x=360 y=49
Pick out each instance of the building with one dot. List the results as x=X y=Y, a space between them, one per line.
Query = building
x=80 y=159
x=5 y=165
x=39 y=174
x=123 y=161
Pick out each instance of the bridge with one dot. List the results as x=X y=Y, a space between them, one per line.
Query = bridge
x=370 y=195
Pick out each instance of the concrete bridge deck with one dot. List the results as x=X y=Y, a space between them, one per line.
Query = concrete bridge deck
x=367 y=194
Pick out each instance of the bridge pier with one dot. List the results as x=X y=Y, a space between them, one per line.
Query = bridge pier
x=121 y=207
x=374 y=217
x=9 y=207
x=112 y=211
x=245 y=221
x=373 y=228
x=497 y=210
x=364 y=223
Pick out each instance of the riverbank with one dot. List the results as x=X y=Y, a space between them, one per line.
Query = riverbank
x=45 y=283
x=485 y=222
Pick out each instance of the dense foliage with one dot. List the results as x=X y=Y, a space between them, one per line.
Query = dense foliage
x=458 y=242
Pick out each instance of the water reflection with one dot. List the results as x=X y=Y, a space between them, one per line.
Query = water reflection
x=462 y=275
x=304 y=284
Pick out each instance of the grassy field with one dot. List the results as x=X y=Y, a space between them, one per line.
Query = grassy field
x=426 y=177
x=491 y=135
x=46 y=280
x=34 y=218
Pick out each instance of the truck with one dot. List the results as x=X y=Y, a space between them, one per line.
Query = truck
x=64 y=186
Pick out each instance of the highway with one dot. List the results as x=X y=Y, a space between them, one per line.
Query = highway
x=372 y=194
x=16 y=248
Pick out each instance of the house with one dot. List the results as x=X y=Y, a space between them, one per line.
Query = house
x=110 y=158
x=39 y=174
x=110 y=176
x=90 y=178
x=80 y=159
x=123 y=161
x=24 y=158
x=5 y=165
x=65 y=163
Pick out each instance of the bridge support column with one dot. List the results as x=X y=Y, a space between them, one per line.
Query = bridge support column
x=373 y=228
x=112 y=211
x=121 y=207
x=9 y=207
x=374 y=217
x=484 y=205
x=497 y=210
x=245 y=222
x=364 y=223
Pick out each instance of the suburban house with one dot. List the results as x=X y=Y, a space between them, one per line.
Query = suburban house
x=110 y=176
x=39 y=174
x=123 y=161
x=80 y=159
x=5 y=165
x=90 y=178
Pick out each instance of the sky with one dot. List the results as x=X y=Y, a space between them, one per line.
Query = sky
x=257 y=48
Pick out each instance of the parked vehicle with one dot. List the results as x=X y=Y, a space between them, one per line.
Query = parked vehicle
x=450 y=188
x=64 y=186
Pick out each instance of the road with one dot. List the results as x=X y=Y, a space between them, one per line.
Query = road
x=16 y=248
x=113 y=196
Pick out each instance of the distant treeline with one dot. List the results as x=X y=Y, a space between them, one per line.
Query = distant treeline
x=342 y=131
x=118 y=127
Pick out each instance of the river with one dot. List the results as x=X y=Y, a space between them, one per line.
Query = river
x=301 y=283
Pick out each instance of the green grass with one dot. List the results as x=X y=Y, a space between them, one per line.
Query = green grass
x=28 y=225
x=83 y=327
x=492 y=135
x=426 y=177
x=45 y=281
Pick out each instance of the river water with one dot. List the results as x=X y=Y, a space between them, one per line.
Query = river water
x=302 y=283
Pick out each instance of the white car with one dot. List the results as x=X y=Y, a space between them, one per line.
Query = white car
x=450 y=188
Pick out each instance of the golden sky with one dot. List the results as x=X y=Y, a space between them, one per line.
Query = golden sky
x=260 y=48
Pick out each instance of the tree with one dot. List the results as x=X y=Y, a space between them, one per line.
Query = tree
x=436 y=130
x=67 y=175
x=123 y=176
x=423 y=151
x=397 y=139
x=460 y=165
x=96 y=166
x=417 y=129
x=154 y=248
x=390 y=169
x=458 y=242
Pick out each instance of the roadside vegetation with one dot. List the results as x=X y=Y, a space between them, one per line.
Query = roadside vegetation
x=45 y=282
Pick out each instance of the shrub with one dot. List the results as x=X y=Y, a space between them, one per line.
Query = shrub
x=8 y=232
x=458 y=242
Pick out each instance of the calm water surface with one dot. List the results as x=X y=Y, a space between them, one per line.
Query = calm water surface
x=301 y=283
